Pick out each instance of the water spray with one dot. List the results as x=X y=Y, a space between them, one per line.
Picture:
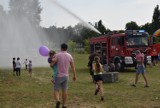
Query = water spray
x=74 y=15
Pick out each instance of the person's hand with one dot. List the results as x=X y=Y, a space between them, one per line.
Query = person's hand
x=74 y=78
x=53 y=81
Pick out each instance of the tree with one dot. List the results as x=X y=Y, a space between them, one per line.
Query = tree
x=156 y=19
x=29 y=9
x=2 y=12
x=84 y=32
x=3 y=15
x=86 y=45
x=72 y=45
x=147 y=27
x=132 y=26
x=3 y=21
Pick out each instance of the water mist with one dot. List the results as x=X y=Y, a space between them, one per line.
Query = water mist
x=21 y=39
x=74 y=15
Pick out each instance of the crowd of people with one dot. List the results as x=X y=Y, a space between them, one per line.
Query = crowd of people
x=60 y=63
x=17 y=66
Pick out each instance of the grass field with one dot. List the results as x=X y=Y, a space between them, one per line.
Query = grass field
x=36 y=92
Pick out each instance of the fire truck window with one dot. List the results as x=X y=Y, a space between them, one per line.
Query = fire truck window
x=145 y=41
x=131 y=42
x=113 y=41
x=136 y=41
x=120 y=41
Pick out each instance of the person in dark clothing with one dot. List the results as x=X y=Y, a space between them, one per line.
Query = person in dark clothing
x=112 y=66
x=18 y=67
x=14 y=66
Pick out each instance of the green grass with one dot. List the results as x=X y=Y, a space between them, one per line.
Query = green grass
x=37 y=92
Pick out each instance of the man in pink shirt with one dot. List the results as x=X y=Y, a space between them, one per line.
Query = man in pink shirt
x=63 y=60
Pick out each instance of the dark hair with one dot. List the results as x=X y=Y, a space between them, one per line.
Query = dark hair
x=18 y=58
x=138 y=51
x=64 y=46
x=96 y=59
x=51 y=52
x=14 y=58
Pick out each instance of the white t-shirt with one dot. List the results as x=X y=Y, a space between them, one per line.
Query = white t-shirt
x=25 y=62
x=18 y=64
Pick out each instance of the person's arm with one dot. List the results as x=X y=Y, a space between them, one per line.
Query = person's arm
x=93 y=67
x=102 y=67
x=73 y=70
x=54 y=60
x=142 y=57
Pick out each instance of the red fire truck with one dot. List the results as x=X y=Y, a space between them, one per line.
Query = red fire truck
x=121 y=48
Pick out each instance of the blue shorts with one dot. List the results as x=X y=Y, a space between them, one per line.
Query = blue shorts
x=140 y=69
x=61 y=83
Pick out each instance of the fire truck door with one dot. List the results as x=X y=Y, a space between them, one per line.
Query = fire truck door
x=117 y=44
x=120 y=45
x=114 y=48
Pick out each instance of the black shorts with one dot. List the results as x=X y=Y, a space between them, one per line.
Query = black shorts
x=98 y=78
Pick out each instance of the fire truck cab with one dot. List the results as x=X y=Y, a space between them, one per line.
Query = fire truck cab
x=121 y=48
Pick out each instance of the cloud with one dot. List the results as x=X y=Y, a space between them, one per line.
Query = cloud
x=143 y=1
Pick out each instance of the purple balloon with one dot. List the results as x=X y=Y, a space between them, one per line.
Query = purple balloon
x=44 y=51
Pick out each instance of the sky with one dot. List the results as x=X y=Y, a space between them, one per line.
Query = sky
x=113 y=13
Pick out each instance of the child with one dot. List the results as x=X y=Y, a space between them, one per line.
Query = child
x=112 y=66
x=30 y=68
x=25 y=62
x=91 y=59
x=98 y=69
x=14 y=66
x=54 y=67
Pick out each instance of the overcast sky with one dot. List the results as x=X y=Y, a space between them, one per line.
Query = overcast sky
x=113 y=13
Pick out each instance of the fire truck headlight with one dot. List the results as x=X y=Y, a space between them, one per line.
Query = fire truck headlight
x=128 y=60
x=149 y=60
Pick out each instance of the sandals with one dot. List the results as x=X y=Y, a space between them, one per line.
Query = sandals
x=146 y=86
x=57 y=104
x=133 y=85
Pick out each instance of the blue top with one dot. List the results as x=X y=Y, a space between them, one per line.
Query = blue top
x=55 y=71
